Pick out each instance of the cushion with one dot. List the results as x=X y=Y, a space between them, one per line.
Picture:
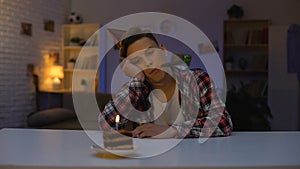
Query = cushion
x=50 y=116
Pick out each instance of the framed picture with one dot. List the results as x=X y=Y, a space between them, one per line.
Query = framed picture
x=49 y=25
x=26 y=29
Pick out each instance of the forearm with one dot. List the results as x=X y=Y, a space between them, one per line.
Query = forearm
x=214 y=125
x=211 y=126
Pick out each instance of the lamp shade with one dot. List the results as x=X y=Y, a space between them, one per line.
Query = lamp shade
x=56 y=72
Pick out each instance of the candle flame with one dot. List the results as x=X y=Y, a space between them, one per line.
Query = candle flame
x=117 y=119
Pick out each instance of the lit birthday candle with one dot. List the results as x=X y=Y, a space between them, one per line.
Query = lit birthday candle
x=117 y=120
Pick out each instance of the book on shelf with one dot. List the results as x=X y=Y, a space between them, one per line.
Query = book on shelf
x=254 y=37
x=257 y=37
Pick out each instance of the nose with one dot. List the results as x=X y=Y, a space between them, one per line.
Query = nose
x=148 y=62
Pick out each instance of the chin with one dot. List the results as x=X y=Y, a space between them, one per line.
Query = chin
x=157 y=77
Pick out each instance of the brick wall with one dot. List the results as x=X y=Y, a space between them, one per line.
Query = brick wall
x=17 y=98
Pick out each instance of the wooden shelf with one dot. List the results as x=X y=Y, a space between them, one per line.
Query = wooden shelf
x=81 y=70
x=72 y=47
x=244 y=46
x=79 y=47
x=246 y=72
x=88 y=53
x=69 y=70
x=246 y=43
x=81 y=26
x=251 y=21
x=56 y=91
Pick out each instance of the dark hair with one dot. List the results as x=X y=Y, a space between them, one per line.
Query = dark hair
x=131 y=37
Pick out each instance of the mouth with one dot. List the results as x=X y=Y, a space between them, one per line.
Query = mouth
x=155 y=70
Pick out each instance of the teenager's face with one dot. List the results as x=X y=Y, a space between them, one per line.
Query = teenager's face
x=145 y=54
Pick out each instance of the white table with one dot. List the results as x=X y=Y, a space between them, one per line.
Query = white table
x=35 y=148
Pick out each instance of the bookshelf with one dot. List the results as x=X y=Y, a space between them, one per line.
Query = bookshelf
x=80 y=39
x=246 y=53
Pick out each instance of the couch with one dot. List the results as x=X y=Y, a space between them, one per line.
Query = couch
x=65 y=117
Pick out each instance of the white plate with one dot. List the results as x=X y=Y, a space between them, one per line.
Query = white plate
x=117 y=152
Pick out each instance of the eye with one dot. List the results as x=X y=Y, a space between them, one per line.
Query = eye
x=135 y=60
x=149 y=52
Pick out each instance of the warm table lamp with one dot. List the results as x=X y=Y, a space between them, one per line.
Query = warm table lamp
x=56 y=73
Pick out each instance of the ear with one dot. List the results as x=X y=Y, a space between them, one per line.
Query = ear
x=162 y=47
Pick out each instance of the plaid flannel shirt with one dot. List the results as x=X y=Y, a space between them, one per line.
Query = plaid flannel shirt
x=211 y=118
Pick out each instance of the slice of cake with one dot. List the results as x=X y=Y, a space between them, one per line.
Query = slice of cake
x=114 y=140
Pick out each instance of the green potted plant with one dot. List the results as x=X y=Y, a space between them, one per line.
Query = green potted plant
x=75 y=41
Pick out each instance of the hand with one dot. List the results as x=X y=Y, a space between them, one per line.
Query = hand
x=154 y=131
x=132 y=70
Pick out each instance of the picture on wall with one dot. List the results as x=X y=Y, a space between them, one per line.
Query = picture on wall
x=26 y=29
x=49 y=25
